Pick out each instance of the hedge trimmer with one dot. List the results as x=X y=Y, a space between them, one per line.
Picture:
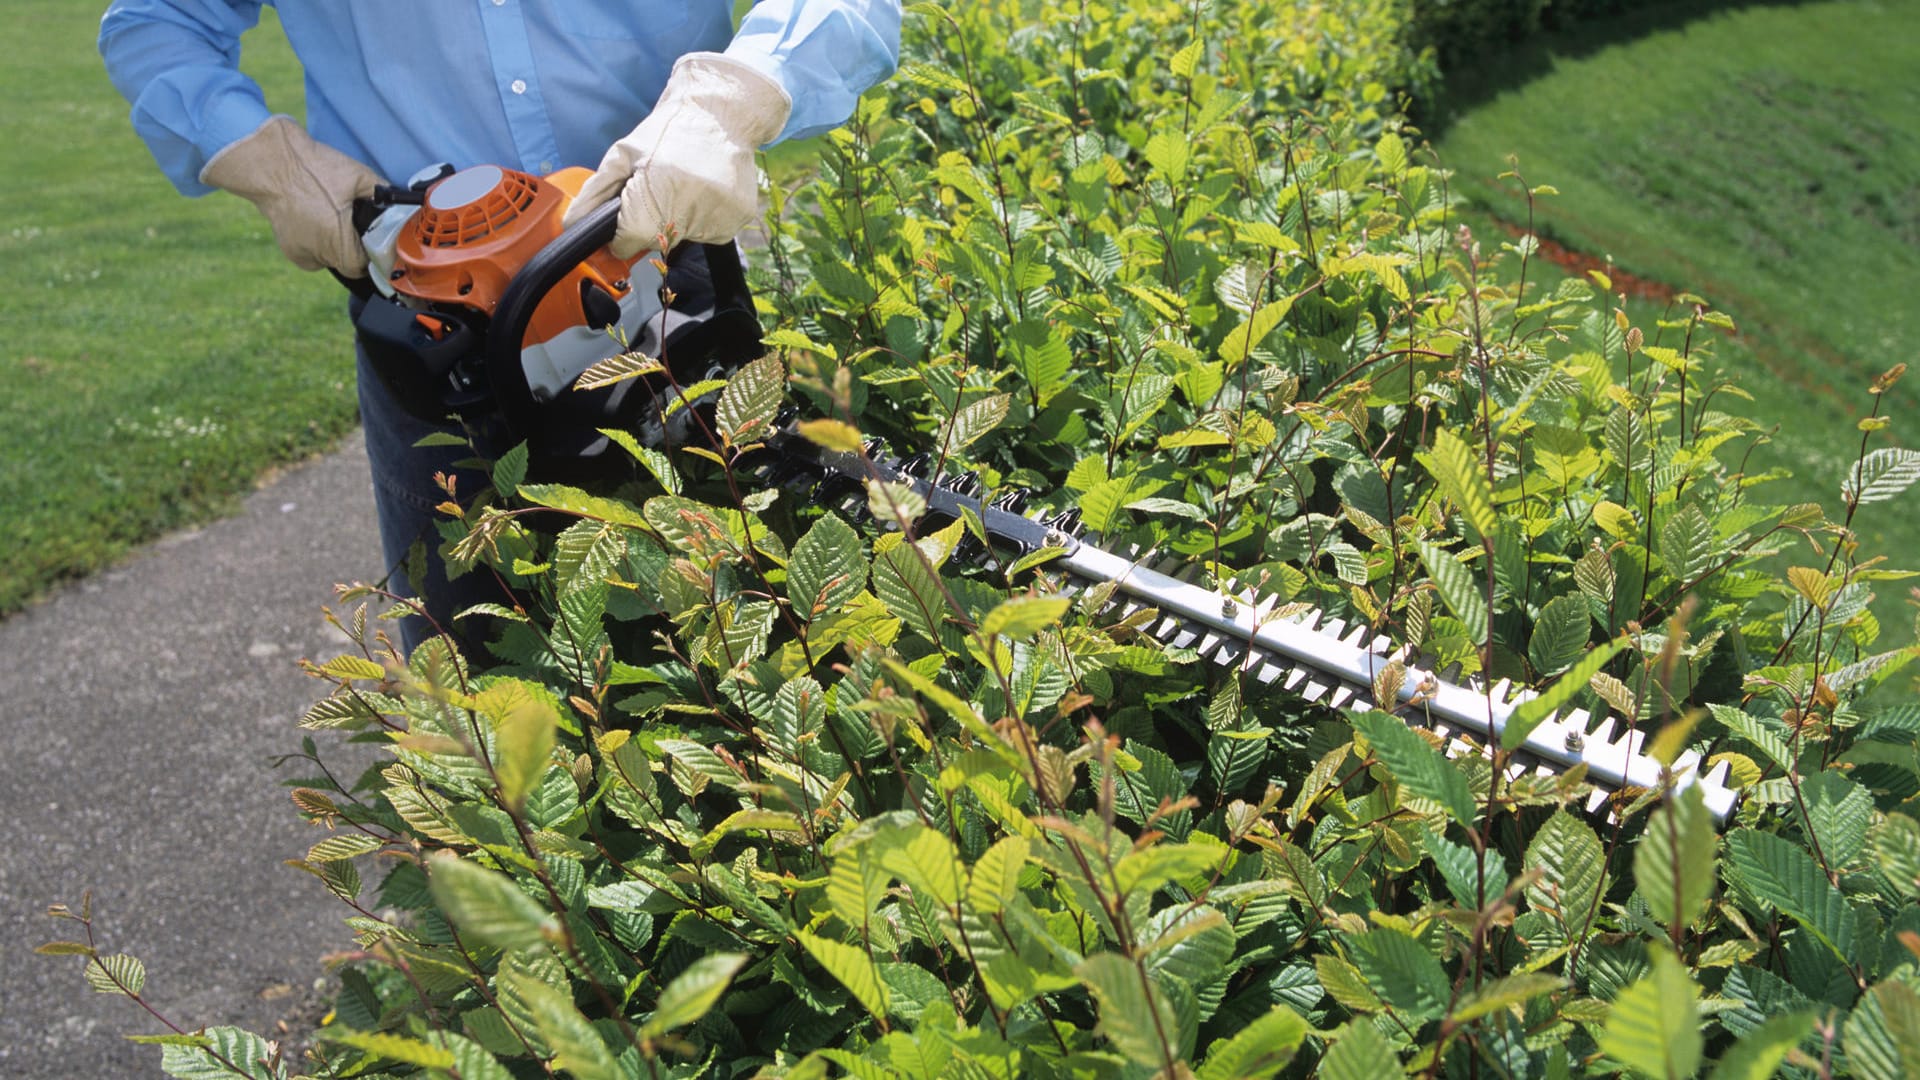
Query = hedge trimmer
x=491 y=310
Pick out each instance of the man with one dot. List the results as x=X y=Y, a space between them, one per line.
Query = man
x=662 y=94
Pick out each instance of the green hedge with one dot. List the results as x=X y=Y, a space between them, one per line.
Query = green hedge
x=752 y=786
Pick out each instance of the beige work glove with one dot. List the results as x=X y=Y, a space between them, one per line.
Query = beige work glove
x=688 y=169
x=305 y=189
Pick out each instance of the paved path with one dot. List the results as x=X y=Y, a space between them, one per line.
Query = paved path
x=139 y=713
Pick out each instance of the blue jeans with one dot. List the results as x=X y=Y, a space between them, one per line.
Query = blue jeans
x=404 y=497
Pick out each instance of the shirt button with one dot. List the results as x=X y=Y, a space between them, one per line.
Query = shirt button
x=518 y=86
x=546 y=166
x=498 y=3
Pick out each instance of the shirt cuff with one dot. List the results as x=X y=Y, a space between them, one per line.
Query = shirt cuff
x=186 y=127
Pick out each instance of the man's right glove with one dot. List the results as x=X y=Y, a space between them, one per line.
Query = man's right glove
x=305 y=189
x=688 y=168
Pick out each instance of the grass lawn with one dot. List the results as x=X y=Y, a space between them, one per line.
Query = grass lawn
x=156 y=351
x=1766 y=156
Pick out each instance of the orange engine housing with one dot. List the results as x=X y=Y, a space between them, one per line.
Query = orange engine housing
x=479 y=226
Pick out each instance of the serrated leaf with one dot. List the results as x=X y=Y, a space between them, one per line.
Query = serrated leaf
x=1571 y=863
x=1754 y=732
x=343 y=846
x=1182 y=63
x=1686 y=543
x=652 y=460
x=692 y=993
x=895 y=502
x=831 y=435
x=910 y=591
x=1505 y=993
x=1417 y=766
x=1460 y=867
x=752 y=397
x=487 y=906
x=1345 y=985
x=347 y=666
x=1260 y=1049
x=1882 y=474
x=1560 y=634
x=523 y=746
x=1780 y=872
x=1758 y=1055
x=826 y=569
x=392 y=1046
x=1463 y=479
x=1883 y=1033
x=854 y=969
x=1041 y=356
x=1839 y=812
x=1021 y=617
x=615 y=369
x=246 y=1051
x=740 y=820
x=574 y=501
x=924 y=859
x=116 y=974
x=1244 y=338
x=1359 y=1052
x=972 y=421
x=1133 y=1011
x=1402 y=972
x=1654 y=1026
x=569 y=1037
x=995 y=879
x=1673 y=864
x=509 y=469
x=1169 y=152
x=1464 y=596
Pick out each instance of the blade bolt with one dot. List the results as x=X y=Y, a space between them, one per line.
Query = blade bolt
x=1575 y=741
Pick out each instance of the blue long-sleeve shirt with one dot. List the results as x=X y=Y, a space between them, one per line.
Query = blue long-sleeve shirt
x=537 y=84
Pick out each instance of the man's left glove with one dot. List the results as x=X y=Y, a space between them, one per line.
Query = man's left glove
x=688 y=168
x=304 y=187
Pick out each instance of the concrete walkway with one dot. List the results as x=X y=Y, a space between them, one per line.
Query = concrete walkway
x=140 y=711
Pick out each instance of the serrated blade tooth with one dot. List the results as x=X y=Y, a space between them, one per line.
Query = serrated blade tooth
x=1630 y=744
x=1230 y=652
x=1718 y=775
x=1187 y=636
x=1602 y=734
x=1315 y=691
x=1296 y=676
x=1332 y=627
x=1269 y=672
x=1342 y=695
x=1357 y=635
x=1597 y=799
x=1499 y=691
